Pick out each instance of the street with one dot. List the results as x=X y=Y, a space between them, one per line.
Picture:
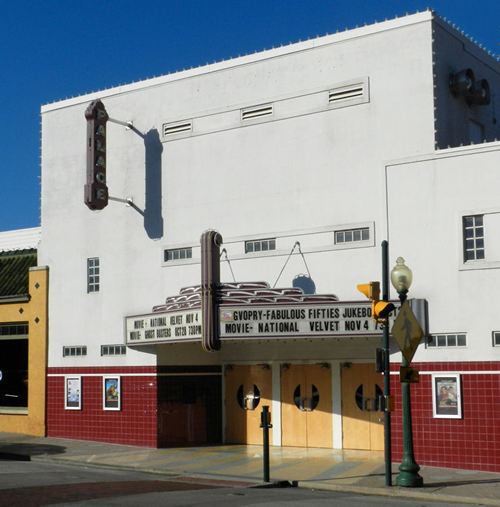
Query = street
x=32 y=484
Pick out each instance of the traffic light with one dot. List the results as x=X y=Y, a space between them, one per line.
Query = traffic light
x=380 y=309
x=96 y=190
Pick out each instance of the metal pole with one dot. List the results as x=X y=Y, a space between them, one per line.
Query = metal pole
x=408 y=470
x=127 y=124
x=387 y=377
x=265 y=425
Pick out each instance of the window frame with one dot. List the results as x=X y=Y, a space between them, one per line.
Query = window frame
x=94 y=285
x=187 y=258
x=479 y=264
x=475 y=237
x=69 y=348
x=446 y=337
x=352 y=232
x=114 y=346
x=14 y=330
x=260 y=241
x=494 y=336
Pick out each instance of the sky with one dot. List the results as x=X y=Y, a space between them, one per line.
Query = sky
x=54 y=49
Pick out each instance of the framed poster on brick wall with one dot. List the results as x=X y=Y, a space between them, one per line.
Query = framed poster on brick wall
x=446 y=396
x=111 y=393
x=73 y=392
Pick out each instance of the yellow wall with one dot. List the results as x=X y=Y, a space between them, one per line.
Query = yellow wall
x=35 y=312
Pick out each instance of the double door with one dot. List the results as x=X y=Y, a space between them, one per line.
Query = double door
x=362 y=419
x=306 y=405
x=247 y=389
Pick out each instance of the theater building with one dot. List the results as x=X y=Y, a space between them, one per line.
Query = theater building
x=303 y=158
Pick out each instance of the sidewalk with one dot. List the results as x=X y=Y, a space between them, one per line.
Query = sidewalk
x=327 y=469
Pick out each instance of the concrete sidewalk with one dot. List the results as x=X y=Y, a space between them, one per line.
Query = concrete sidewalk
x=239 y=465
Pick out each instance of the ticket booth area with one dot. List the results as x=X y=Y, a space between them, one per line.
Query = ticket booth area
x=189 y=410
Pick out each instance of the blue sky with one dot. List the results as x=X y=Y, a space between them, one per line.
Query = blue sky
x=53 y=49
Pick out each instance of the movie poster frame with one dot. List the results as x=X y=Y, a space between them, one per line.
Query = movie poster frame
x=446 y=382
x=107 y=382
x=72 y=382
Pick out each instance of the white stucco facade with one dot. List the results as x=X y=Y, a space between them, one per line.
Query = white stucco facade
x=295 y=144
x=425 y=224
x=292 y=174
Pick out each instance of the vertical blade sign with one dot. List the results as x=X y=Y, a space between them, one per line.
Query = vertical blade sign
x=210 y=283
x=96 y=190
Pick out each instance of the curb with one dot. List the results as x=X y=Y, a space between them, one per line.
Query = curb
x=178 y=476
x=97 y=464
x=397 y=492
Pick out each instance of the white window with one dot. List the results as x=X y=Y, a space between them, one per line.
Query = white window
x=93 y=275
x=447 y=340
x=113 y=350
x=260 y=245
x=352 y=235
x=473 y=236
x=177 y=254
x=496 y=338
x=79 y=350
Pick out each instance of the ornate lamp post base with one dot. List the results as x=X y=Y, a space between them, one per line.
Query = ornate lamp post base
x=408 y=470
x=409 y=477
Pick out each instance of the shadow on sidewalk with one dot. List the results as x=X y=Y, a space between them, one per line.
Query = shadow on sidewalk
x=344 y=477
x=23 y=452
x=460 y=483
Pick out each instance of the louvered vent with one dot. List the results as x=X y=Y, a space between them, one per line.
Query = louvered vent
x=256 y=112
x=170 y=129
x=345 y=93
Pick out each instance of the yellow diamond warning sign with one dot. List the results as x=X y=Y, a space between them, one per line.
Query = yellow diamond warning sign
x=407 y=331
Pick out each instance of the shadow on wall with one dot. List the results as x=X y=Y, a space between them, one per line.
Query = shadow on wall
x=304 y=282
x=153 y=220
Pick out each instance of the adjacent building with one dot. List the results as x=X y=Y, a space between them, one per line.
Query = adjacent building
x=23 y=333
x=303 y=158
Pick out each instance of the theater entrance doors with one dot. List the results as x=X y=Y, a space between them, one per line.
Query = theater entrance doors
x=306 y=405
x=247 y=389
x=362 y=421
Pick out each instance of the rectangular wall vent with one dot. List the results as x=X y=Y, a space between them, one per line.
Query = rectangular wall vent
x=170 y=129
x=252 y=113
x=345 y=93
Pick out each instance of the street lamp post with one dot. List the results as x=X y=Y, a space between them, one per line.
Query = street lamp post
x=401 y=278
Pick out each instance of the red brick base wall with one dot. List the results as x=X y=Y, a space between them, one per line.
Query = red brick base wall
x=134 y=424
x=472 y=442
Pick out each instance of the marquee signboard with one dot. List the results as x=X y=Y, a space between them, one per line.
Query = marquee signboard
x=252 y=321
x=342 y=319
x=163 y=327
